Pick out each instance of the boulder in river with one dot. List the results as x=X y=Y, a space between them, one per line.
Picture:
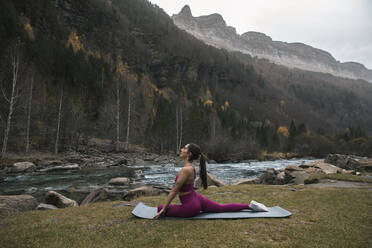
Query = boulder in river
x=61 y=168
x=10 y=204
x=22 y=167
x=31 y=190
x=48 y=163
x=119 y=181
x=59 y=200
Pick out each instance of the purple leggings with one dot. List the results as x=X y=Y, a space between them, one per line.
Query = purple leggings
x=195 y=202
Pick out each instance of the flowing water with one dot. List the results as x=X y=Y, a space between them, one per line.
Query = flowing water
x=146 y=174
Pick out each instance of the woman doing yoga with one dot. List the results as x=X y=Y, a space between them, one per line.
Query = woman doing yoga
x=192 y=201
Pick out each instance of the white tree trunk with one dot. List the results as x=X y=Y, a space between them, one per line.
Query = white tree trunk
x=128 y=126
x=59 y=121
x=214 y=125
x=180 y=140
x=117 y=114
x=102 y=80
x=12 y=100
x=29 y=115
x=177 y=129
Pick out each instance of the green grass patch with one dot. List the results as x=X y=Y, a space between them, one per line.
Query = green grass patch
x=327 y=217
x=340 y=177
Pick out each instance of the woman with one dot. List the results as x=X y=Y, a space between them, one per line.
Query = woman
x=192 y=201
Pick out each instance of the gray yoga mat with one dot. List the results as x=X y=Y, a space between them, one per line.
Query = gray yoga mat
x=146 y=212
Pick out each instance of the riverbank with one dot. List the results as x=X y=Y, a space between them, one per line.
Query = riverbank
x=322 y=217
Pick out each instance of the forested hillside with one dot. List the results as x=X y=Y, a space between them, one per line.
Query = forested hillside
x=121 y=70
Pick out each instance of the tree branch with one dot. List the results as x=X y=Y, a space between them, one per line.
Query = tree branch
x=2 y=90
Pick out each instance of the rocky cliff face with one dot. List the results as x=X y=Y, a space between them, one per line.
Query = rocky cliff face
x=212 y=29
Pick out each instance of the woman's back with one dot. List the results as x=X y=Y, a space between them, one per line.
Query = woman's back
x=189 y=184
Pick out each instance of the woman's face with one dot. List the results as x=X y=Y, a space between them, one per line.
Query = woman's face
x=184 y=151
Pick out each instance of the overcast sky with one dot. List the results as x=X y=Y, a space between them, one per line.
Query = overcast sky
x=341 y=27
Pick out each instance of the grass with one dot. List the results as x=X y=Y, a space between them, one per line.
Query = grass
x=341 y=177
x=328 y=217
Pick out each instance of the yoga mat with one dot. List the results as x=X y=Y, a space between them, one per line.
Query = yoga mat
x=146 y=212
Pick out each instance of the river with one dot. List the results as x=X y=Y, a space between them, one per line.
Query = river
x=139 y=175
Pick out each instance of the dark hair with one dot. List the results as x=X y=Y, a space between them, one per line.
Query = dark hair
x=195 y=151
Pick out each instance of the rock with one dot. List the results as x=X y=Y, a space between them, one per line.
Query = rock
x=293 y=168
x=47 y=163
x=61 y=168
x=119 y=181
x=347 y=171
x=143 y=191
x=122 y=162
x=59 y=200
x=273 y=156
x=11 y=204
x=311 y=181
x=291 y=174
x=290 y=155
x=313 y=170
x=327 y=168
x=95 y=196
x=43 y=206
x=30 y=190
x=22 y=167
x=280 y=178
x=343 y=161
x=211 y=180
x=366 y=165
x=269 y=176
x=247 y=181
x=321 y=167
x=212 y=29
x=298 y=177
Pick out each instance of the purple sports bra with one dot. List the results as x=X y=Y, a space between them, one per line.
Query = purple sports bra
x=187 y=186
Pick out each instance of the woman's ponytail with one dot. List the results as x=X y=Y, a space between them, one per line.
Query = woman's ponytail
x=203 y=171
x=195 y=151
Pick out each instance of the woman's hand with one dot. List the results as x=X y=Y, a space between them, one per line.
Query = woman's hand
x=162 y=211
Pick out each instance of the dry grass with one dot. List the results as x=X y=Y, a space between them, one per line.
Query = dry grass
x=329 y=217
x=342 y=177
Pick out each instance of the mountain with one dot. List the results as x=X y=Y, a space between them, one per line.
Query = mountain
x=212 y=29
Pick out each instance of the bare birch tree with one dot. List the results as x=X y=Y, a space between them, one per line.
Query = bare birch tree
x=180 y=139
x=214 y=116
x=177 y=129
x=128 y=125
x=12 y=100
x=117 y=115
x=59 y=120
x=29 y=113
x=102 y=78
